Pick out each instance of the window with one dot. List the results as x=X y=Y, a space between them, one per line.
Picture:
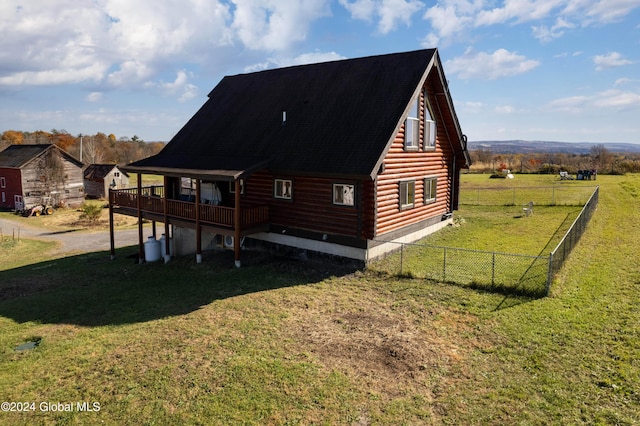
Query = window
x=3 y=182
x=116 y=174
x=4 y=198
x=430 y=189
x=232 y=187
x=429 y=130
x=282 y=188
x=412 y=127
x=407 y=194
x=343 y=194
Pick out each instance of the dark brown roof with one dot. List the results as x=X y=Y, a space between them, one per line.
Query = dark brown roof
x=340 y=117
x=17 y=156
x=99 y=171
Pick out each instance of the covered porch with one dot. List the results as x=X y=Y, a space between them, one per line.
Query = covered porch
x=198 y=206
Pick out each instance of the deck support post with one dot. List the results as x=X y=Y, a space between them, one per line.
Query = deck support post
x=237 y=225
x=112 y=244
x=167 y=237
x=139 y=207
x=198 y=225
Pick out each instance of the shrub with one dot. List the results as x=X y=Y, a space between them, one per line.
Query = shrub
x=91 y=213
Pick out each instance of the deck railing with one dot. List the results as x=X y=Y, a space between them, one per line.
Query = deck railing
x=152 y=201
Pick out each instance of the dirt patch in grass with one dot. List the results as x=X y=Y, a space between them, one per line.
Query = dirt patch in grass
x=391 y=351
x=25 y=286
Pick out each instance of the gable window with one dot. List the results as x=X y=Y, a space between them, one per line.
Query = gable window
x=407 y=194
x=282 y=188
x=412 y=127
x=343 y=194
x=429 y=130
x=3 y=182
x=430 y=188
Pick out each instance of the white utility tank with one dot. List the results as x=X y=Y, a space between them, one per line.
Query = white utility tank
x=163 y=246
x=152 y=250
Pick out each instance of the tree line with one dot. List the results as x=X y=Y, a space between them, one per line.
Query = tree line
x=599 y=158
x=99 y=148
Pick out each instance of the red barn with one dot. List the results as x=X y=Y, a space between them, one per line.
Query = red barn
x=29 y=174
x=340 y=158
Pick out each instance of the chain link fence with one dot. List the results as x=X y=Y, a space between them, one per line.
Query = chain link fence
x=560 y=254
x=488 y=270
x=557 y=195
x=493 y=271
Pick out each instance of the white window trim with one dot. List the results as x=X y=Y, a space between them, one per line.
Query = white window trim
x=433 y=182
x=403 y=189
x=279 y=187
x=412 y=123
x=349 y=199
x=430 y=134
x=3 y=182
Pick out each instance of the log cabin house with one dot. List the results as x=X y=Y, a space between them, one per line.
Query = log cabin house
x=345 y=158
x=37 y=174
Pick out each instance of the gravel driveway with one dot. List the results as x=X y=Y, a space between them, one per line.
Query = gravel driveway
x=72 y=241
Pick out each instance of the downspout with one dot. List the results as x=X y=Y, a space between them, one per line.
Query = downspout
x=453 y=185
x=453 y=151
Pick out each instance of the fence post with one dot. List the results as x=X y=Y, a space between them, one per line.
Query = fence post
x=444 y=265
x=401 y=257
x=493 y=268
x=549 y=275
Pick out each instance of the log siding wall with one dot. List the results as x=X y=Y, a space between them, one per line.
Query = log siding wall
x=311 y=207
x=403 y=165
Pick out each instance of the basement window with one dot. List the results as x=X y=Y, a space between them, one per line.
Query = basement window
x=407 y=194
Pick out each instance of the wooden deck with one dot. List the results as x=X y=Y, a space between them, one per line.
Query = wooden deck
x=154 y=206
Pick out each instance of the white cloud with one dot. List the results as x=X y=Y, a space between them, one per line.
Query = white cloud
x=613 y=99
x=390 y=13
x=94 y=97
x=305 y=58
x=505 y=109
x=447 y=21
x=453 y=19
x=546 y=34
x=180 y=86
x=119 y=43
x=518 y=11
x=364 y=10
x=489 y=66
x=275 y=24
x=617 y=99
x=610 y=60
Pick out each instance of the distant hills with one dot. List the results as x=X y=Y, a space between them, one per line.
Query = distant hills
x=524 y=147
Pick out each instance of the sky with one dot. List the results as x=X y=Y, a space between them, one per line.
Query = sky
x=546 y=70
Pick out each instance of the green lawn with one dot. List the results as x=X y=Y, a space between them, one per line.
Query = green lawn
x=286 y=342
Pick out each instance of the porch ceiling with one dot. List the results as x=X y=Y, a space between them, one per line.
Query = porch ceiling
x=222 y=167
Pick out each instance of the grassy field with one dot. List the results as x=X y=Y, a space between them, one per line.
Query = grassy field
x=285 y=342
